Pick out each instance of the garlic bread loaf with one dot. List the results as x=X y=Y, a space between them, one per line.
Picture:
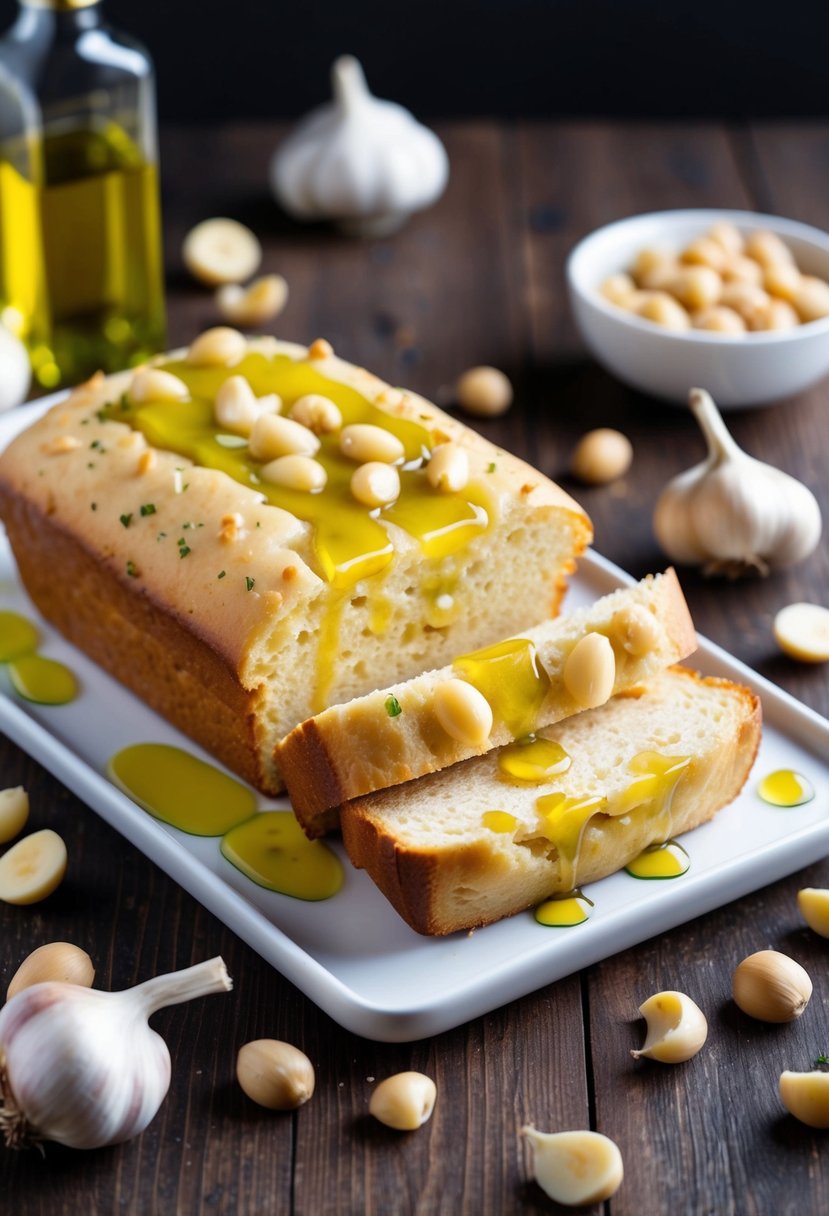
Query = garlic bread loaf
x=248 y=532
x=401 y=732
x=481 y=840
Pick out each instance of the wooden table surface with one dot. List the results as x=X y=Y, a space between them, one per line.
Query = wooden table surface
x=479 y=278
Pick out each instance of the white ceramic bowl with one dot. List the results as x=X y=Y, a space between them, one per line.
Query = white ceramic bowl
x=742 y=370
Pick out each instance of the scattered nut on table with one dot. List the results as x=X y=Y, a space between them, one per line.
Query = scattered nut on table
x=601 y=456
x=771 y=987
x=404 y=1101
x=575 y=1168
x=484 y=391
x=275 y=1074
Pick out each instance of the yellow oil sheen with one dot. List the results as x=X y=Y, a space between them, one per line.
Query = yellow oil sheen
x=563 y=820
x=784 y=787
x=511 y=678
x=667 y=860
x=350 y=539
x=180 y=789
x=499 y=821
x=18 y=636
x=532 y=761
x=272 y=850
x=43 y=681
x=564 y=911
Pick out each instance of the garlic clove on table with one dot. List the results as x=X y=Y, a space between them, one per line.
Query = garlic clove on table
x=364 y=163
x=733 y=514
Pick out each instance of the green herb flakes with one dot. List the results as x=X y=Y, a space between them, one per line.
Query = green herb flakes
x=393 y=707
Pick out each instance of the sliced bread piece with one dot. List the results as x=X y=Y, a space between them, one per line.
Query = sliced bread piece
x=396 y=734
x=467 y=846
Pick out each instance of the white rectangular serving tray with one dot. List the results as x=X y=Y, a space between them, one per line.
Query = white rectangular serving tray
x=353 y=956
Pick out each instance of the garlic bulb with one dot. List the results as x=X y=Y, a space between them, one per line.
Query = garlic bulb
x=365 y=163
x=82 y=1067
x=733 y=514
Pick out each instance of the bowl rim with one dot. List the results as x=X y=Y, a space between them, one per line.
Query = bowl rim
x=678 y=216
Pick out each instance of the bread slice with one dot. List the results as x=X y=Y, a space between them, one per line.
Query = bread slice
x=238 y=608
x=428 y=846
x=394 y=735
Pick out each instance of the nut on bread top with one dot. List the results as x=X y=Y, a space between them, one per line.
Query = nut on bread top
x=220 y=536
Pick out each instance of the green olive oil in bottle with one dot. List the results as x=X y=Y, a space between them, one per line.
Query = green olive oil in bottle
x=99 y=208
x=22 y=284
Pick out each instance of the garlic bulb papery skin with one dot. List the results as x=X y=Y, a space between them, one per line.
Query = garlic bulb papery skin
x=82 y=1067
x=733 y=514
x=364 y=163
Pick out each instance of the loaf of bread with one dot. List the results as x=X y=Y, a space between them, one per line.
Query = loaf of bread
x=396 y=734
x=228 y=588
x=472 y=844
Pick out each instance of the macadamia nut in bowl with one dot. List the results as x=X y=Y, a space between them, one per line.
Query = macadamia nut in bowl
x=732 y=300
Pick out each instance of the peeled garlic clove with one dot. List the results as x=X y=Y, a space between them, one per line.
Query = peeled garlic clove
x=55 y=961
x=274 y=1074
x=802 y=632
x=14 y=811
x=813 y=903
x=250 y=306
x=575 y=1168
x=221 y=251
x=806 y=1096
x=677 y=1028
x=484 y=391
x=33 y=868
x=771 y=987
x=731 y=513
x=404 y=1101
x=601 y=456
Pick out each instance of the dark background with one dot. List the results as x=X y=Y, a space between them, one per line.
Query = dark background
x=509 y=58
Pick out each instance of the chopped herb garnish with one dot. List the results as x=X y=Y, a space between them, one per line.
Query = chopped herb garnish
x=148 y=508
x=131 y=570
x=94 y=506
x=96 y=443
x=393 y=706
x=90 y=464
x=249 y=582
x=161 y=536
x=126 y=520
x=490 y=468
x=184 y=550
x=822 y=1062
x=221 y=574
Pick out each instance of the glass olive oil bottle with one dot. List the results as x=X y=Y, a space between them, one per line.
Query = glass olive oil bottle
x=99 y=209
x=22 y=285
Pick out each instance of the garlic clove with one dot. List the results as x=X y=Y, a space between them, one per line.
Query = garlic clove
x=806 y=1096
x=365 y=163
x=733 y=514
x=601 y=456
x=802 y=632
x=33 y=868
x=14 y=811
x=274 y=1074
x=771 y=987
x=83 y=1067
x=54 y=961
x=485 y=392
x=575 y=1168
x=220 y=251
x=813 y=903
x=677 y=1028
x=251 y=306
x=404 y=1101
